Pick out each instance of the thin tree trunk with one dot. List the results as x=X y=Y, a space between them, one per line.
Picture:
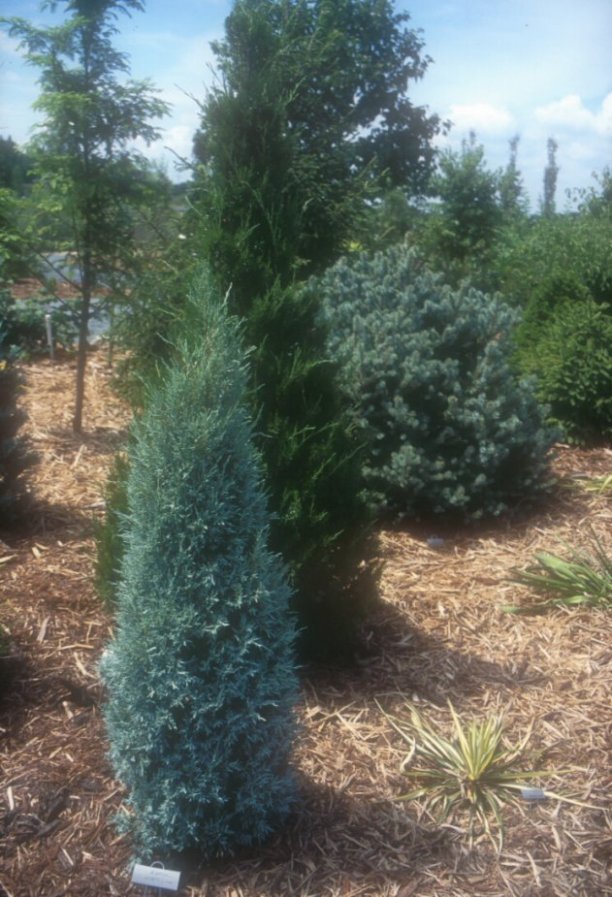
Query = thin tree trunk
x=77 y=421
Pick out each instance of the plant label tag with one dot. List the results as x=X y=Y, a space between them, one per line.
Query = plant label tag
x=154 y=877
x=533 y=794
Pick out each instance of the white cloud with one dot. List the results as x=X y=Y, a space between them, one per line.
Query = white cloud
x=570 y=113
x=484 y=118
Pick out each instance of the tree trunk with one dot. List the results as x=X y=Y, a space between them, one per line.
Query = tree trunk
x=77 y=421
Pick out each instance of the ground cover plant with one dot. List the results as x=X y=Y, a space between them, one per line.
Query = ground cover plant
x=427 y=369
x=201 y=673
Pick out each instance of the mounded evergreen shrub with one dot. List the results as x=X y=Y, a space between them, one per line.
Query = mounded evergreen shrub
x=573 y=363
x=201 y=673
x=426 y=367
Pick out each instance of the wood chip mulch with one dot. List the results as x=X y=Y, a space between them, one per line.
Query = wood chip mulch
x=439 y=634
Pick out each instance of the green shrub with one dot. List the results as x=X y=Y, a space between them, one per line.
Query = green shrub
x=14 y=456
x=427 y=369
x=546 y=302
x=573 y=361
x=109 y=535
x=201 y=673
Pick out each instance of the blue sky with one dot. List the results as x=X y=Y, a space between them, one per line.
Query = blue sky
x=536 y=68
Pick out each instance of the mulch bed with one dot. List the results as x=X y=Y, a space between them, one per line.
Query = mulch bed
x=439 y=634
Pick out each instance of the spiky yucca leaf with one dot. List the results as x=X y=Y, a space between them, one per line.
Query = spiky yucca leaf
x=473 y=772
x=585 y=579
x=601 y=485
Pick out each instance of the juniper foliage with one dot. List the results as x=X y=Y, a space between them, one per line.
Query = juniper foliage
x=201 y=673
x=427 y=368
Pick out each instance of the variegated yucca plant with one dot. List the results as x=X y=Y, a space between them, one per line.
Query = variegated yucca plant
x=474 y=772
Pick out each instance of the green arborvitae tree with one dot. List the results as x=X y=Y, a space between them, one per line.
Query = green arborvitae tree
x=311 y=119
x=573 y=363
x=85 y=163
x=427 y=369
x=201 y=674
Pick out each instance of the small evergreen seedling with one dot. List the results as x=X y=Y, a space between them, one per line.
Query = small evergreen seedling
x=201 y=673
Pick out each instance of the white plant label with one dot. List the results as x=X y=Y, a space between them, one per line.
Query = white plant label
x=533 y=794
x=154 y=877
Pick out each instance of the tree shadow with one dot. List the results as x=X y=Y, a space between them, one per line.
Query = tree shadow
x=41 y=517
x=399 y=660
x=102 y=440
x=332 y=843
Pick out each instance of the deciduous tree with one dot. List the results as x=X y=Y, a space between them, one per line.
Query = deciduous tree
x=84 y=152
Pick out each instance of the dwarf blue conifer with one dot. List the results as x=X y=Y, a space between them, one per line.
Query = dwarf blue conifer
x=200 y=675
x=427 y=369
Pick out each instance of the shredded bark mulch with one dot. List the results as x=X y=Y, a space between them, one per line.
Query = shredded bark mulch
x=438 y=634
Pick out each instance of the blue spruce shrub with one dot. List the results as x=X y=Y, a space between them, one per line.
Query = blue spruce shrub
x=201 y=675
x=427 y=369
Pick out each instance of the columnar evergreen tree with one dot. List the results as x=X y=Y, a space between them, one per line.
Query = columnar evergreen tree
x=83 y=151
x=551 y=173
x=201 y=673
x=311 y=118
x=512 y=199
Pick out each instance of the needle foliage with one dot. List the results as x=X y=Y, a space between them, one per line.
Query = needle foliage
x=201 y=674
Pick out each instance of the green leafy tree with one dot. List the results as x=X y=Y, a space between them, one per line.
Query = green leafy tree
x=537 y=259
x=15 y=167
x=15 y=252
x=201 y=674
x=84 y=161
x=463 y=225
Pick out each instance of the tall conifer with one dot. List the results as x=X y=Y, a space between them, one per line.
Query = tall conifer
x=201 y=674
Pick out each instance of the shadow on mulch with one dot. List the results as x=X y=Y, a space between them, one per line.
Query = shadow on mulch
x=40 y=518
x=101 y=440
x=399 y=660
x=332 y=840
x=563 y=500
